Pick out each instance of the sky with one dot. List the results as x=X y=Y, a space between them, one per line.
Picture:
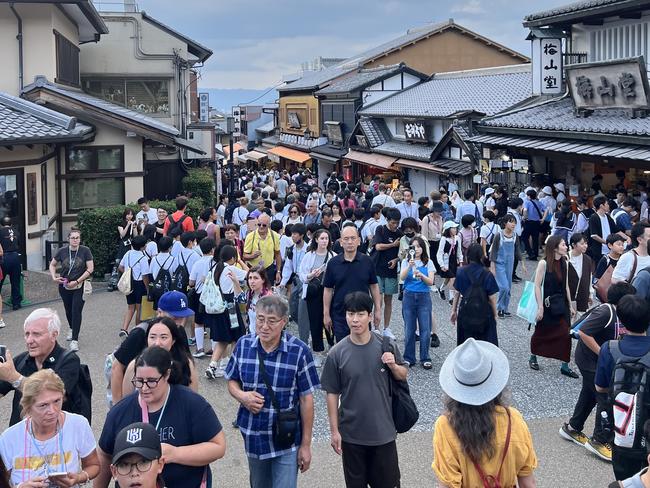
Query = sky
x=256 y=42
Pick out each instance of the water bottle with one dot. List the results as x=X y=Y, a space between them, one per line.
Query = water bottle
x=445 y=260
x=232 y=315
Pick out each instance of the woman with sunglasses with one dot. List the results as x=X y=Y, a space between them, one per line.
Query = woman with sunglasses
x=293 y=216
x=190 y=433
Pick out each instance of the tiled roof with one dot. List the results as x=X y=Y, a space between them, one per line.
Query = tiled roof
x=363 y=78
x=375 y=131
x=558 y=115
x=574 y=7
x=402 y=149
x=461 y=128
x=329 y=150
x=455 y=167
x=487 y=90
x=22 y=121
x=314 y=79
x=137 y=117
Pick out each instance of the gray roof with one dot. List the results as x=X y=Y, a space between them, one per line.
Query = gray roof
x=375 y=131
x=582 y=6
x=23 y=122
x=454 y=166
x=266 y=128
x=558 y=115
x=403 y=149
x=193 y=47
x=367 y=77
x=593 y=148
x=487 y=90
x=315 y=79
x=78 y=95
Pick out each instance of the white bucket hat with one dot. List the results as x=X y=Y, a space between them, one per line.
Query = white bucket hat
x=559 y=187
x=489 y=191
x=448 y=225
x=474 y=372
x=547 y=190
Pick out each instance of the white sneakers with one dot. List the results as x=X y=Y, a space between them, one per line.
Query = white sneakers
x=69 y=337
x=74 y=345
x=2 y=324
x=389 y=333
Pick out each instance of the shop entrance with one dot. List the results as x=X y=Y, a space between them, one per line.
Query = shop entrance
x=12 y=203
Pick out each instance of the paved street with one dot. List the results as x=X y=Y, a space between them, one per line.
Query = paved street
x=545 y=398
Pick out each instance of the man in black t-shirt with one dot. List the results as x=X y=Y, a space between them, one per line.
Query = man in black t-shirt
x=172 y=304
x=386 y=245
x=11 y=265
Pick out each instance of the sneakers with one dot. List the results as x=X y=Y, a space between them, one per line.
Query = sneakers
x=441 y=292
x=389 y=333
x=213 y=371
x=318 y=361
x=435 y=340
x=601 y=449
x=191 y=341
x=69 y=336
x=123 y=333
x=572 y=435
x=198 y=354
x=74 y=345
x=2 y=324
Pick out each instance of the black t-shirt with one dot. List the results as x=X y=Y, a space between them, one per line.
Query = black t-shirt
x=601 y=325
x=334 y=231
x=136 y=342
x=602 y=266
x=188 y=419
x=383 y=235
x=157 y=236
x=68 y=371
x=9 y=239
x=73 y=263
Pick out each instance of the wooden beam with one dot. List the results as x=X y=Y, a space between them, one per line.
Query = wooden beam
x=593 y=22
x=630 y=15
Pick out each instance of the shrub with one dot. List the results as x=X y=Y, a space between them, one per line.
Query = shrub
x=99 y=229
x=199 y=183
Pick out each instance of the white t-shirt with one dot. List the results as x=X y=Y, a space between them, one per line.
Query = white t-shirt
x=187 y=257
x=285 y=242
x=239 y=216
x=604 y=222
x=138 y=262
x=200 y=270
x=488 y=231
x=221 y=215
x=177 y=247
x=225 y=283
x=161 y=260
x=626 y=263
x=151 y=216
x=76 y=438
x=576 y=262
x=383 y=200
x=151 y=249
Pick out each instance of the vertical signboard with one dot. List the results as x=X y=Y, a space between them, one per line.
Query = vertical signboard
x=204 y=107
x=551 y=66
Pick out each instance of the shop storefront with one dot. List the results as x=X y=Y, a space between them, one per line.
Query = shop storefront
x=362 y=165
x=290 y=159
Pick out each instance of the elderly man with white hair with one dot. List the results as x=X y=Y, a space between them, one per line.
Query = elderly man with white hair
x=42 y=328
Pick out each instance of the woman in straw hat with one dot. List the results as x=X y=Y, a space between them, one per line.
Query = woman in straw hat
x=479 y=441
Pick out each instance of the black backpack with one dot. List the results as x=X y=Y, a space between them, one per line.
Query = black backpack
x=405 y=412
x=630 y=398
x=162 y=284
x=176 y=225
x=475 y=311
x=181 y=278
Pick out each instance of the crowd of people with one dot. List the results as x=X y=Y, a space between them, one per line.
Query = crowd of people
x=332 y=257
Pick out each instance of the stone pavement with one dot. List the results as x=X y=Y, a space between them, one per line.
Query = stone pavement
x=544 y=397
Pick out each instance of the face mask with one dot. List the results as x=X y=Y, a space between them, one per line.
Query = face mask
x=409 y=234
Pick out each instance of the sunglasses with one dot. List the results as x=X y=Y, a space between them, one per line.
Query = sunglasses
x=263 y=225
x=293 y=212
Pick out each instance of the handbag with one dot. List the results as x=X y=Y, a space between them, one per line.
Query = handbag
x=405 y=412
x=315 y=285
x=555 y=304
x=88 y=289
x=146 y=309
x=488 y=480
x=286 y=425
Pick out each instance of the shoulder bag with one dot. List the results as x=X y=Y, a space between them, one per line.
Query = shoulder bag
x=555 y=304
x=488 y=480
x=405 y=412
x=286 y=425
x=604 y=282
x=315 y=285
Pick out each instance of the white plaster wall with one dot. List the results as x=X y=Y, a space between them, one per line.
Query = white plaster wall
x=410 y=80
x=422 y=182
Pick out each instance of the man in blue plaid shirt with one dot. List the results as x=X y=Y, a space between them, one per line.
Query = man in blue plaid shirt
x=293 y=377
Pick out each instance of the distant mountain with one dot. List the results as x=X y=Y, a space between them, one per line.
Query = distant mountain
x=224 y=99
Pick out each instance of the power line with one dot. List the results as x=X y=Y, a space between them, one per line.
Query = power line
x=263 y=94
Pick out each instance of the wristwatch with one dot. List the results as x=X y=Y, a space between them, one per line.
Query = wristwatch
x=16 y=384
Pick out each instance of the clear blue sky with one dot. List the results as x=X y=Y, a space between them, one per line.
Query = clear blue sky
x=255 y=42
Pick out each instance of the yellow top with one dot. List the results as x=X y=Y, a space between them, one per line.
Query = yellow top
x=267 y=246
x=454 y=468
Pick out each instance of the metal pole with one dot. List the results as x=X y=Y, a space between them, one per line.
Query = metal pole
x=231 y=167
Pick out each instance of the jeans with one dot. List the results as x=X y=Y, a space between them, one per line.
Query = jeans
x=531 y=230
x=587 y=400
x=503 y=276
x=73 y=303
x=416 y=307
x=277 y=472
x=11 y=266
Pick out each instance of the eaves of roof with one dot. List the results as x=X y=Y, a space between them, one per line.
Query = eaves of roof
x=575 y=12
x=193 y=47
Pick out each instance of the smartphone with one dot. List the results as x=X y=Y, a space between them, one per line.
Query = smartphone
x=3 y=353
x=58 y=473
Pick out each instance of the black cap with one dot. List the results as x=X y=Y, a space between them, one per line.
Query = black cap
x=137 y=438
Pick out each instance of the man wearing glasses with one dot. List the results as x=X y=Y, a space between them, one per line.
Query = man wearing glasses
x=137 y=459
x=271 y=372
x=262 y=247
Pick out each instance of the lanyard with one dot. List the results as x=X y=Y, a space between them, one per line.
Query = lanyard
x=145 y=412
x=70 y=260
x=29 y=430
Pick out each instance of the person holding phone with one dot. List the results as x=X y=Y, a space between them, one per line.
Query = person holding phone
x=59 y=446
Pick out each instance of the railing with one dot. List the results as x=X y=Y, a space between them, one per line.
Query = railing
x=575 y=58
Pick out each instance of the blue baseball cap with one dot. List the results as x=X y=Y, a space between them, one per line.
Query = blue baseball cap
x=175 y=304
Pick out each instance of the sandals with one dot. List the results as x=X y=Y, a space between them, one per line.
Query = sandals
x=426 y=365
x=533 y=364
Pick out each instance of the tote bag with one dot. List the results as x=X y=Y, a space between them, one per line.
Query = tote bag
x=527 y=307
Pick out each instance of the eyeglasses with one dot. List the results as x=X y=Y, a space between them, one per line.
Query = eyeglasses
x=139 y=383
x=271 y=321
x=293 y=212
x=263 y=225
x=125 y=469
x=74 y=237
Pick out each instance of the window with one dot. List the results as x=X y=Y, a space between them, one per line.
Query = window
x=67 y=61
x=94 y=192
x=97 y=159
x=146 y=96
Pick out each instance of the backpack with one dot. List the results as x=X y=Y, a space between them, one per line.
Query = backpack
x=80 y=399
x=630 y=397
x=176 y=225
x=125 y=285
x=181 y=278
x=163 y=282
x=211 y=295
x=475 y=310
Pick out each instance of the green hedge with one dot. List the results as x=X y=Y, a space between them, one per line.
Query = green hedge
x=199 y=183
x=99 y=229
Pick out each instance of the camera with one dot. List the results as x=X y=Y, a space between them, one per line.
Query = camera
x=412 y=252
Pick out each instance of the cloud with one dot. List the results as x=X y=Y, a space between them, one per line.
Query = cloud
x=472 y=7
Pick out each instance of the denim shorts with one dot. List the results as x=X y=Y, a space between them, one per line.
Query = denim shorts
x=387 y=286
